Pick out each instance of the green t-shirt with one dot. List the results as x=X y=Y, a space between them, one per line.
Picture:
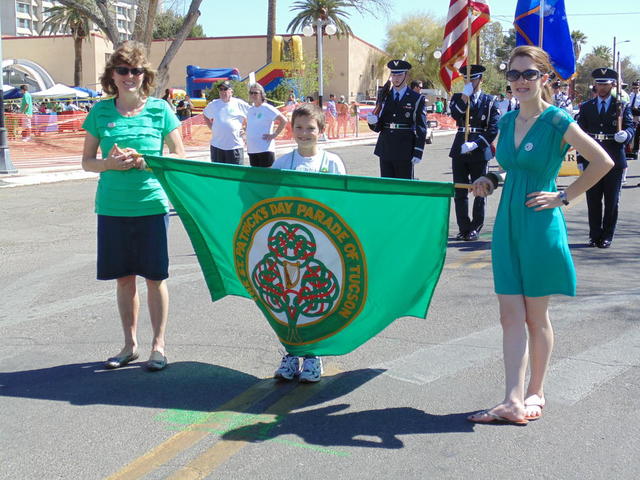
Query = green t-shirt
x=439 y=106
x=26 y=106
x=131 y=193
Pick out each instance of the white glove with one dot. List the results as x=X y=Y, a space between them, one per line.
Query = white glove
x=468 y=147
x=372 y=119
x=468 y=89
x=620 y=137
x=416 y=160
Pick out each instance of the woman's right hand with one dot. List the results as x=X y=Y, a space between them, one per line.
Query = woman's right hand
x=482 y=187
x=119 y=159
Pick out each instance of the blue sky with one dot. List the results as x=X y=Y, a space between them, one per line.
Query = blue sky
x=593 y=17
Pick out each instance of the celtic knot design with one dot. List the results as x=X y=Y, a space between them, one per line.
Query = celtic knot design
x=290 y=280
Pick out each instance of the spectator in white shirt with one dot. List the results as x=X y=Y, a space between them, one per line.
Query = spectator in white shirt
x=226 y=117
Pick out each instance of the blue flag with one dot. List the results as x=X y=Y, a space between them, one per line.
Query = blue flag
x=556 y=36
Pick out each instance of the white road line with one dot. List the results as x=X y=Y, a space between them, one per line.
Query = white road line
x=572 y=379
x=581 y=373
x=429 y=364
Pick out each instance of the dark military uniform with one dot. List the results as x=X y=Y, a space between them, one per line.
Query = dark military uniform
x=483 y=129
x=635 y=111
x=402 y=123
x=403 y=130
x=603 y=127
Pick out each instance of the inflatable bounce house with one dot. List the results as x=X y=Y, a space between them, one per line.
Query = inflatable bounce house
x=287 y=55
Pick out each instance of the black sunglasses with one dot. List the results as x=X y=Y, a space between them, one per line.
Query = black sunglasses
x=223 y=89
x=528 y=75
x=254 y=93
x=135 y=71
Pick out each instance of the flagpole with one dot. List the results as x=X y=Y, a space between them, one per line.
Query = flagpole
x=468 y=74
x=541 y=29
x=619 y=93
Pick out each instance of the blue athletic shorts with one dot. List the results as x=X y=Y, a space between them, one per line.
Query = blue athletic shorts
x=133 y=246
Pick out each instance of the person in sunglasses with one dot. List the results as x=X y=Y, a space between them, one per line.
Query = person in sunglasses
x=131 y=205
x=599 y=118
x=470 y=156
x=261 y=136
x=529 y=249
x=226 y=117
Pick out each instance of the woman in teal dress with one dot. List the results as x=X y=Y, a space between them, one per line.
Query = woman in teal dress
x=131 y=205
x=530 y=252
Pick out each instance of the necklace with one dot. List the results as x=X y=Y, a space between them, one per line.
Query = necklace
x=529 y=118
x=131 y=112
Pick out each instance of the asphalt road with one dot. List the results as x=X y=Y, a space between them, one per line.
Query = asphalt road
x=394 y=408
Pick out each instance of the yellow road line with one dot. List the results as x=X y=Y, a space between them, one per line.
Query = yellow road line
x=202 y=466
x=180 y=442
x=466 y=258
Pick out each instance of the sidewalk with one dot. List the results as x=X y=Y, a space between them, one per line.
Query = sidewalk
x=69 y=168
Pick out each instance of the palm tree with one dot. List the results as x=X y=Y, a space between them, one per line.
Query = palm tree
x=69 y=19
x=578 y=39
x=603 y=52
x=271 y=28
x=310 y=11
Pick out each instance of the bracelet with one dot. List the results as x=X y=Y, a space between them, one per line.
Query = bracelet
x=563 y=197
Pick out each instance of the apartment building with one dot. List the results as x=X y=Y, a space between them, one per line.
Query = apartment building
x=24 y=18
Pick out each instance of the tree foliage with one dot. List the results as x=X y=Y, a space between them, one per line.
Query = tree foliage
x=167 y=25
x=64 y=19
x=415 y=38
x=102 y=14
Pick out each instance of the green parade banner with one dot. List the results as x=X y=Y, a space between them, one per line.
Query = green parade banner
x=330 y=260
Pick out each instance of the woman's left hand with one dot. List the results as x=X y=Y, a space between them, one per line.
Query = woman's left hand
x=543 y=200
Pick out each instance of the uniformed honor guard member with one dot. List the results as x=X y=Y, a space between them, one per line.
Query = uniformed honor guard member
x=402 y=125
x=599 y=118
x=469 y=159
x=635 y=111
x=561 y=97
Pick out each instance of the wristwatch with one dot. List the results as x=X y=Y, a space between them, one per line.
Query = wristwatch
x=563 y=197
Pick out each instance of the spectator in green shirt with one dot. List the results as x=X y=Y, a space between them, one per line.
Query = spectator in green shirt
x=439 y=106
x=131 y=205
x=26 y=108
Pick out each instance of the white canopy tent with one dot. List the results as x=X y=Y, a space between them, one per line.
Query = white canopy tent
x=60 y=91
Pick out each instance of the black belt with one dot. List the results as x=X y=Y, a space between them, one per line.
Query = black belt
x=602 y=136
x=398 y=126
x=472 y=129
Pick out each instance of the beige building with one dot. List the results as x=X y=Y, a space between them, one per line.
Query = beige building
x=355 y=64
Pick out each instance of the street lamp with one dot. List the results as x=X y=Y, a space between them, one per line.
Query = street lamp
x=5 y=160
x=614 y=50
x=322 y=22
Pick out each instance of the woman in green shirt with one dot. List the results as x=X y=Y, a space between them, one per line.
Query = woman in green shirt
x=132 y=208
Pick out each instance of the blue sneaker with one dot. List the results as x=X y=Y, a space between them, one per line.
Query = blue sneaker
x=311 y=370
x=289 y=367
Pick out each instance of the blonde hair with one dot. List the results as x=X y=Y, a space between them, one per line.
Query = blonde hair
x=133 y=54
x=542 y=61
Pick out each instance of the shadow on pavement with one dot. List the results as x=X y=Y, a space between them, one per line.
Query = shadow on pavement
x=325 y=426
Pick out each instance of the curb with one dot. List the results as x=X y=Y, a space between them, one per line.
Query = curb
x=37 y=176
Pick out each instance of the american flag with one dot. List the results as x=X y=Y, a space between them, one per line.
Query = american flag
x=454 y=44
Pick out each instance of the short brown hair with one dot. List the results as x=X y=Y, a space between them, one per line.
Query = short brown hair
x=133 y=54
x=308 y=110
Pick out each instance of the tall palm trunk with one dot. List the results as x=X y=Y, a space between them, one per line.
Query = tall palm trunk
x=271 y=29
x=77 y=65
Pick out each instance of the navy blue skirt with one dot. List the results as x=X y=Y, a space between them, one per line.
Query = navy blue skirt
x=133 y=246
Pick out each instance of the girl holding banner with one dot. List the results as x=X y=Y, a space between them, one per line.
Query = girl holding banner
x=530 y=252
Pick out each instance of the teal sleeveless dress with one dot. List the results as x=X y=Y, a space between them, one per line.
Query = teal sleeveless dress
x=530 y=250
